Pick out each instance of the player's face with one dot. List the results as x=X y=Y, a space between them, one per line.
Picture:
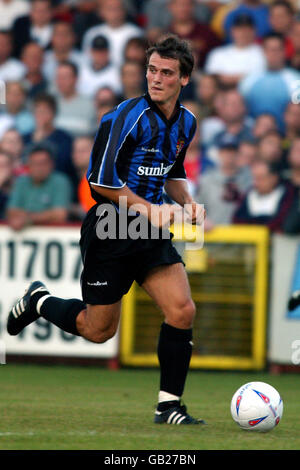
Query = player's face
x=164 y=80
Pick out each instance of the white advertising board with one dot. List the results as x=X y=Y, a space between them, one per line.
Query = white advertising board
x=51 y=255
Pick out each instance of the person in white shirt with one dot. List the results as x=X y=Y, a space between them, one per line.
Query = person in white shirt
x=98 y=72
x=10 y=10
x=75 y=113
x=234 y=61
x=115 y=28
x=63 y=41
x=10 y=69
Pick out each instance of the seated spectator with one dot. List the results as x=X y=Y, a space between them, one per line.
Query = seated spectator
x=135 y=50
x=292 y=175
x=6 y=181
x=42 y=196
x=270 y=150
x=184 y=24
x=82 y=148
x=34 y=80
x=15 y=108
x=268 y=201
x=85 y=15
x=12 y=144
x=98 y=72
x=263 y=124
x=10 y=10
x=247 y=153
x=105 y=100
x=294 y=60
x=281 y=17
x=132 y=80
x=114 y=28
x=259 y=12
x=10 y=68
x=236 y=60
x=270 y=91
x=36 y=26
x=45 y=132
x=291 y=123
x=222 y=188
x=207 y=88
x=75 y=113
x=62 y=50
x=237 y=126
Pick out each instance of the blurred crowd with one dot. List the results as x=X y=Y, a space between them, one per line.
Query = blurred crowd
x=63 y=64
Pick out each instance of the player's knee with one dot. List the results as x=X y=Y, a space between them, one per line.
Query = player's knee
x=184 y=315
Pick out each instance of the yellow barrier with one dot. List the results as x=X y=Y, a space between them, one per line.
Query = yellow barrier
x=229 y=282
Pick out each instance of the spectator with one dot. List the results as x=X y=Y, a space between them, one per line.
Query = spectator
x=270 y=91
x=207 y=88
x=158 y=16
x=294 y=60
x=237 y=126
x=10 y=68
x=34 y=81
x=15 y=108
x=132 y=78
x=85 y=15
x=292 y=220
x=40 y=197
x=184 y=24
x=268 y=201
x=10 y=10
x=13 y=145
x=105 y=100
x=270 y=149
x=263 y=124
x=45 y=132
x=99 y=72
x=75 y=113
x=62 y=49
x=257 y=9
x=281 y=19
x=37 y=26
x=247 y=153
x=221 y=188
x=234 y=61
x=115 y=29
x=291 y=123
x=6 y=181
x=135 y=50
x=82 y=148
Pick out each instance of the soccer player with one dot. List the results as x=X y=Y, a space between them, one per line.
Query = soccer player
x=139 y=150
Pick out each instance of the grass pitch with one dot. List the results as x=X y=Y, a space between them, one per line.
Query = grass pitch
x=77 y=408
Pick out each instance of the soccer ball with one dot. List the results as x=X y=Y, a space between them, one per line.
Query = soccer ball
x=256 y=406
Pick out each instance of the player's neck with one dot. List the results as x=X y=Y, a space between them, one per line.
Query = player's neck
x=168 y=108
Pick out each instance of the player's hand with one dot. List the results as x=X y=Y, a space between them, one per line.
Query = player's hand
x=194 y=213
x=163 y=216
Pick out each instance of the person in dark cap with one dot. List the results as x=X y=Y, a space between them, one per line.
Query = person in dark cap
x=99 y=72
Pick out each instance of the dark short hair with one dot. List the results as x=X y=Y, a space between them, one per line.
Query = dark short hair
x=40 y=147
x=172 y=47
x=48 y=99
x=273 y=35
x=71 y=65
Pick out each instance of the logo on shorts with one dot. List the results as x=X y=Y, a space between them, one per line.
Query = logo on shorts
x=97 y=284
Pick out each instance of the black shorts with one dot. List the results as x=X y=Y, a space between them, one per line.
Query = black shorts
x=111 y=266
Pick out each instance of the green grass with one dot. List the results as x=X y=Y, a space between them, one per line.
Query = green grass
x=68 y=408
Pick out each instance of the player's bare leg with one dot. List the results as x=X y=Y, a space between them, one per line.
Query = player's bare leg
x=98 y=323
x=169 y=288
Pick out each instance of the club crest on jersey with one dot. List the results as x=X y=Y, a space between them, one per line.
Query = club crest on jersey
x=179 y=147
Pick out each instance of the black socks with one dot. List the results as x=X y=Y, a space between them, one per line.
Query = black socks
x=174 y=354
x=60 y=312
